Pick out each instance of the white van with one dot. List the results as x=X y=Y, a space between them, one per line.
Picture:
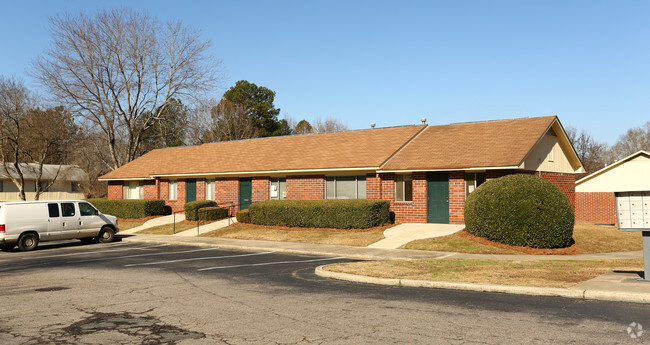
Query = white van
x=25 y=223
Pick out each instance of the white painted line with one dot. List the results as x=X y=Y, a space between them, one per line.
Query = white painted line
x=139 y=255
x=268 y=263
x=195 y=259
x=93 y=252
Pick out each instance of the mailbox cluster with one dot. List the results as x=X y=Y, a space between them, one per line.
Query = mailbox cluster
x=633 y=211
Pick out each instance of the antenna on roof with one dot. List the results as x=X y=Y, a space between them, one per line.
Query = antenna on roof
x=424 y=120
x=372 y=125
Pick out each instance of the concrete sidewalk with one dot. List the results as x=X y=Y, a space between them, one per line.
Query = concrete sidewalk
x=618 y=286
x=402 y=234
x=164 y=220
x=202 y=229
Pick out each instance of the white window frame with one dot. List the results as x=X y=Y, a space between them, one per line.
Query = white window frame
x=173 y=190
x=278 y=182
x=127 y=191
x=357 y=178
x=210 y=189
x=474 y=180
x=400 y=183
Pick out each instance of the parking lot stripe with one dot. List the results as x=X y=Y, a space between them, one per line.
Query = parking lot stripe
x=93 y=252
x=195 y=259
x=268 y=263
x=140 y=255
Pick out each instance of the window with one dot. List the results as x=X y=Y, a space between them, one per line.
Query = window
x=2 y=187
x=173 y=189
x=75 y=188
x=54 y=210
x=278 y=189
x=67 y=209
x=403 y=188
x=134 y=190
x=85 y=209
x=472 y=181
x=209 y=189
x=345 y=187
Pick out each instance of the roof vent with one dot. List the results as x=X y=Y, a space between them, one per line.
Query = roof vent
x=424 y=120
x=372 y=125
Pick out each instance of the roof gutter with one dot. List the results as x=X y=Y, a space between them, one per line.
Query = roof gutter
x=449 y=169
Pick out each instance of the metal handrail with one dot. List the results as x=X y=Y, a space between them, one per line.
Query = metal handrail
x=174 y=214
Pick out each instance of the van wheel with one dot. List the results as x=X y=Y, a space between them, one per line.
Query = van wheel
x=106 y=235
x=27 y=242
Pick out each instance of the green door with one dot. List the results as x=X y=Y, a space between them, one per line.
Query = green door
x=438 y=197
x=190 y=190
x=245 y=193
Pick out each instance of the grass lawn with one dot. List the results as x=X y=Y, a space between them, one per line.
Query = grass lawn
x=304 y=235
x=560 y=274
x=588 y=239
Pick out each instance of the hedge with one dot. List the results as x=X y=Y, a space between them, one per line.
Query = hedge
x=244 y=216
x=213 y=213
x=520 y=210
x=339 y=214
x=191 y=207
x=129 y=209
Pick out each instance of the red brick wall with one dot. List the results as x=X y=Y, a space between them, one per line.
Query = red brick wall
x=305 y=187
x=150 y=190
x=566 y=183
x=115 y=190
x=456 y=197
x=599 y=207
x=200 y=189
x=261 y=186
x=373 y=186
x=178 y=204
x=407 y=211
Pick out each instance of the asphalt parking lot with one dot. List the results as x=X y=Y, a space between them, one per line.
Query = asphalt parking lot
x=135 y=293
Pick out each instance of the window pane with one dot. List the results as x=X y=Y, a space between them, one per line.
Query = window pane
x=2 y=186
x=408 y=188
x=480 y=179
x=330 y=187
x=67 y=209
x=283 y=188
x=346 y=187
x=470 y=183
x=54 y=210
x=86 y=210
x=361 y=187
x=399 y=188
x=172 y=190
x=274 y=189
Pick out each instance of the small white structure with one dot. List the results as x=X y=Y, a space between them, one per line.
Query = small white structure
x=631 y=173
x=65 y=187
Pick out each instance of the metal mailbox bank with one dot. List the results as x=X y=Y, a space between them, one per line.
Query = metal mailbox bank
x=633 y=214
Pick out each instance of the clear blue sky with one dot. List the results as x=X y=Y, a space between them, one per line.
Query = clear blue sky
x=393 y=62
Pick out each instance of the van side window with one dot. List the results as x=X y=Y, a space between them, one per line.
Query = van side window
x=67 y=209
x=54 y=210
x=86 y=210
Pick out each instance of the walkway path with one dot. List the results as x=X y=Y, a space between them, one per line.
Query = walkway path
x=402 y=234
x=207 y=227
x=164 y=220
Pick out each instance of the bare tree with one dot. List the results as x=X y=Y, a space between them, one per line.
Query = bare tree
x=229 y=121
x=592 y=154
x=329 y=125
x=30 y=137
x=634 y=140
x=120 y=68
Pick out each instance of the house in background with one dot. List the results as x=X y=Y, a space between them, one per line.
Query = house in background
x=425 y=172
x=67 y=179
x=595 y=193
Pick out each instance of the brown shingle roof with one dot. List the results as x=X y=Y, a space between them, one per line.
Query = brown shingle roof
x=465 y=145
x=352 y=149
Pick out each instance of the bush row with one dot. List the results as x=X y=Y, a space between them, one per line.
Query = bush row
x=207 y=210
x=339 y=214
x=129 y=209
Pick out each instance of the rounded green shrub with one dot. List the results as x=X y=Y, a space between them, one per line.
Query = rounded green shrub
x=191 y=208
x=520 y=210
x=244 y=216
x=213 y=213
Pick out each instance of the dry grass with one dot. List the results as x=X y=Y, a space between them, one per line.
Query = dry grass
x=560 y=274
x=353 y=237
x=588 y=238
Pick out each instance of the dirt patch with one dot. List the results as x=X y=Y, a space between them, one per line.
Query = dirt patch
x=572 y=250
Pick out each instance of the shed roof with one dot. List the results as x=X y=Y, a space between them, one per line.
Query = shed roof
x=50 y=171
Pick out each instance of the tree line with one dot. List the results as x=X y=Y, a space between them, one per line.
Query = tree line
x=119 y=84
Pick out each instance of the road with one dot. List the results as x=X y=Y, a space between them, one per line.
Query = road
x=131 y=293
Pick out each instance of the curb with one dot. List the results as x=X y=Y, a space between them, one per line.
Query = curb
x=520 y=290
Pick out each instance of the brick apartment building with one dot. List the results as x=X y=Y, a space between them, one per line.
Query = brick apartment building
x=425 y=172
x=595 y=193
